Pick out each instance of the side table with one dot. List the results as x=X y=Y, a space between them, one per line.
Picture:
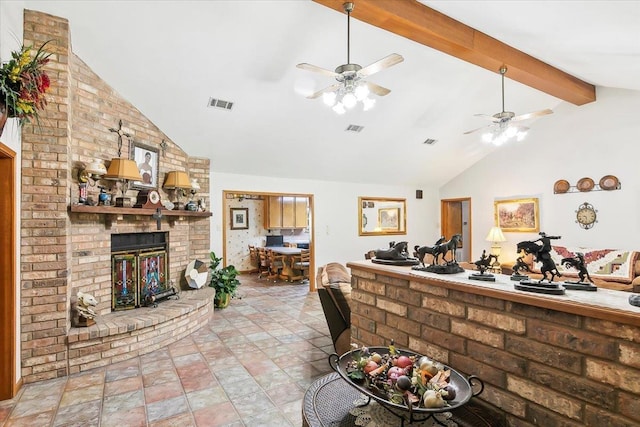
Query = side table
x=329 y=400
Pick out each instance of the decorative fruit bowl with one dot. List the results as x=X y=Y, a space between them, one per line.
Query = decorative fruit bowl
x=405 y=380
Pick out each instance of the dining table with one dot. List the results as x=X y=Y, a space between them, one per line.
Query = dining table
x=288 y=252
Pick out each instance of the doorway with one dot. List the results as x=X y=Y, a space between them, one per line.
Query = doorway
x=8 y=385
x=455 y=218
x=259 y=225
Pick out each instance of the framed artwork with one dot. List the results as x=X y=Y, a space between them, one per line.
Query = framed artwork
x=517 y=215
x=389 y=218
x=146 y=157
x=239 y=218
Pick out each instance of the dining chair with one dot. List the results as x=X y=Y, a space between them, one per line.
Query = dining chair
x=263 y=263
x=276 y=263
x=253 y=256
x=301 y=263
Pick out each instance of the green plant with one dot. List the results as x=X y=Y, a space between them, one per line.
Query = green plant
x=23 y=83
x=223 y=279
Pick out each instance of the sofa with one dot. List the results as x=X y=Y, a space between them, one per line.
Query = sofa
x=333 y=282
x=608 y=268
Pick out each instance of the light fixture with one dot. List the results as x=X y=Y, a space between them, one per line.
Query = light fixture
x=495 y=236
x=178 y=181
x=95 y=170
x=124 y=170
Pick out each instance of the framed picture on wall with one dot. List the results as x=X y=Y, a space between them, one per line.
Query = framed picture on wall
x=517 y=215
x=389 y=218
x=146 y=157
x=239 y=218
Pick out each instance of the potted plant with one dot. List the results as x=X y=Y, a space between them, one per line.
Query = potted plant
x=223 y=280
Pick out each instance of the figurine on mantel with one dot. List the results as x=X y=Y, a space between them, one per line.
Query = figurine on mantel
x=84 y=307
x=483 y=264
x=440 y=249
x=519 y=266
x=396 y=254
x=579 y=264
x=548 y=269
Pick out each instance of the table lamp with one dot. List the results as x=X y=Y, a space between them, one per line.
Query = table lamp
x=178 y=181
x=495 y=236
x=124 y=170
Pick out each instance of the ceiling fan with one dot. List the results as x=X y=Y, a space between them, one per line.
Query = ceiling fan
x=351 y=87
x=501 y=129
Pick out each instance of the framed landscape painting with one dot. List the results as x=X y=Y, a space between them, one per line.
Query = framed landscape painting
x=517 y=215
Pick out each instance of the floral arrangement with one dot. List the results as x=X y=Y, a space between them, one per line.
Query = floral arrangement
x=23 y=83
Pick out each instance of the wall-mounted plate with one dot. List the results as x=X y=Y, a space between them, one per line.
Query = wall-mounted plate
x=585 y=184
x=561 y=186
x=609 y=182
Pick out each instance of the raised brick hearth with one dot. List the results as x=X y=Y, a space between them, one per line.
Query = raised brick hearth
x=63 y=252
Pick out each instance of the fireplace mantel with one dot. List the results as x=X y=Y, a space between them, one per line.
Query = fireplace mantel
x=112 y=210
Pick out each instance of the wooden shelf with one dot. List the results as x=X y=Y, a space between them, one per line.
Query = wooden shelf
x=112 y=210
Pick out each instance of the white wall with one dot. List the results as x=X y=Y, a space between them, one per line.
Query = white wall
x=11 y=23
x=593 y=140
x=335 y=233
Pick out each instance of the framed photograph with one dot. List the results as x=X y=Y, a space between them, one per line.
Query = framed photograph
x=518 y=215
x=389 y=218
x=146 y=158
x=239 y=218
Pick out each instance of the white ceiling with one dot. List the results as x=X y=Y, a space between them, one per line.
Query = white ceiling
x=169 y=57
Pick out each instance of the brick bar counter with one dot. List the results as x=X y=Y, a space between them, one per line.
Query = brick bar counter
x=546 y=360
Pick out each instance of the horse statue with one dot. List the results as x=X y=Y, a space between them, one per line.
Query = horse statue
x=548 y=265
x=485 y=262
x=435 y=251
x=449 y=246
x=396 y=251
x=579 y=264
x=520 y=265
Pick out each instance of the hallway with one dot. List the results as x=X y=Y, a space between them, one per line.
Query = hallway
x=250 y=366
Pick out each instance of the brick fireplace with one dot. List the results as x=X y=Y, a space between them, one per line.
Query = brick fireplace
x=65 y=251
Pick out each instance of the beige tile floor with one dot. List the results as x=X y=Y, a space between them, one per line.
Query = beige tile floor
x=250 y=366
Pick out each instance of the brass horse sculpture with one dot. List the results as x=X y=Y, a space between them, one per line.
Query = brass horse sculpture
x=548 y=265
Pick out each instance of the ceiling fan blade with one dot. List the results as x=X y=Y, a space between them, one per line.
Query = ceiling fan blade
x=487 y=116
x=377 y=89
x=475 y=130
x=316 y=69
x=381 y=64
x=331 y=88
x=531 y=115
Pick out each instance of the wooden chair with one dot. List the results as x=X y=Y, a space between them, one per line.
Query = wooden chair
x=301 y=263
x=276 y=263
x=253 y=256
x=263 y=263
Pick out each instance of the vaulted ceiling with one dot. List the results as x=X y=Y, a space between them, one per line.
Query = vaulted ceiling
x=169 y=58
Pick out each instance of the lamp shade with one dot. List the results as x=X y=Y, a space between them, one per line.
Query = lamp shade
x=96 y=168
x=123 y=169
x=495 y=235
x=176 y=179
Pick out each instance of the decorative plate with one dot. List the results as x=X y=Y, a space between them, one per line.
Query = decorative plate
x=585 y=184
x=609 y=182
x=561 y=186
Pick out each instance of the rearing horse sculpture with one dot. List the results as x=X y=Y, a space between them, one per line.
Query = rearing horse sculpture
x=548 y=265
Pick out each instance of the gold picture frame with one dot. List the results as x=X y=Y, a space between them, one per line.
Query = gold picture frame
x=517 y=215
x=379 y=216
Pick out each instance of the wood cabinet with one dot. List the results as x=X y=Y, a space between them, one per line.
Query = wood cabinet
x=286 y=212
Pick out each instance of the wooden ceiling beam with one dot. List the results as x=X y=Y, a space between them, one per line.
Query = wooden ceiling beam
x=417 y=22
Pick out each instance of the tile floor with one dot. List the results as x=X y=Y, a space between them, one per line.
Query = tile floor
x=250 y=366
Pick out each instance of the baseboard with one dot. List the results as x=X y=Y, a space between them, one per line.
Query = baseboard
x=16 y=387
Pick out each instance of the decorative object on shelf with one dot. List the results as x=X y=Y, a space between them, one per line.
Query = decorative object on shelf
x=609 y=182
x=192 y=205
x=517 y=215
x=483 y=264
x=519 y=266
x=239 y=218
x=586 y=215
x=496 y=237
x=585 y=184
x=120 y=134
x=223 y=280
x=502 y=130
x=148 y=199
x=84 y=307
x=579 y=264
x=163 y=147
x=351 y=87
x=561 y=186
x=124 y=170
x=634 y=300
x=23 y=84
x=441 y=248
x=542 y=254
x=395 y=254
x=92 y=172
x=104 y=198
x=146 y=157
x=177 y=181
x=196 y=274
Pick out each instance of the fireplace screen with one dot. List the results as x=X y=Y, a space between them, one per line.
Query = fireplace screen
x=137 y=277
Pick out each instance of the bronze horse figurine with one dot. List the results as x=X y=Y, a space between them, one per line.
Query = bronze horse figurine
x=438 y=249
x=397 y=251
x=485 y=262
x=548 y=265
x=579 y=264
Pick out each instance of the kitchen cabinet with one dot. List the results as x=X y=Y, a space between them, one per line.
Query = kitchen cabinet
x=286 y=212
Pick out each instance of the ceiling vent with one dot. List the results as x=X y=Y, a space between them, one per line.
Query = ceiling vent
x=354 y=128
x=429 y=141
x=219 y=103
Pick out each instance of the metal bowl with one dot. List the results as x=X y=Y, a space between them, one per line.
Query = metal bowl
x=463 y=386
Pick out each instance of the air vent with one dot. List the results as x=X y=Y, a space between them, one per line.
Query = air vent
x=354 y=128
x=429 y=141
x=219 y=103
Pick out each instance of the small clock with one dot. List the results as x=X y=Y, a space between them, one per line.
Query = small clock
x=148 y=199
x=586 y=215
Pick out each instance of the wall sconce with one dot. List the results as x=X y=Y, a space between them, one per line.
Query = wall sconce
x=495 y=236
x=95 y=170
x=124 y=170
x=178 y=181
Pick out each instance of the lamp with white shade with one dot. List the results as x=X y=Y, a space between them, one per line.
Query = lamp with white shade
x=496 y=236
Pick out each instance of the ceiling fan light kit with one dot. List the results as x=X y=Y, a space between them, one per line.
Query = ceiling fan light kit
x=502 y=129
x=351 y=87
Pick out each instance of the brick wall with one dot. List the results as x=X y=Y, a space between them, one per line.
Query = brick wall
x=540 y=366
x=62 y=253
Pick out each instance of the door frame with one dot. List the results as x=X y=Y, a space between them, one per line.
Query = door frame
x=226 y=220
x=8 y=384
x=444 y=206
